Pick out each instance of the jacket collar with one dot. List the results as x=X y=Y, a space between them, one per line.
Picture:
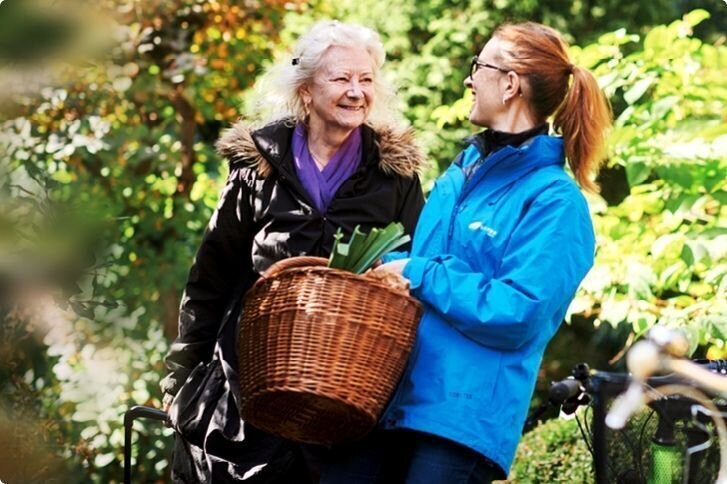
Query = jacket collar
x=491 y=140
x=539 y=150
x=509 y=164
x=267 y=148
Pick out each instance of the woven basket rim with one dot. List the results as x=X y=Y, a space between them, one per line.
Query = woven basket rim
x=339 y=273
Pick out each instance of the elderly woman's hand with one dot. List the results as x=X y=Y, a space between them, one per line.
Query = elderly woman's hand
x=396 y=266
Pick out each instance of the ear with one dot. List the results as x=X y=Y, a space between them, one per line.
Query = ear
x=305 y=94
x=513 y=88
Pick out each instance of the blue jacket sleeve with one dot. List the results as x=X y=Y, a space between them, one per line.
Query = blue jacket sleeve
x=392 y=256
x=549 y=252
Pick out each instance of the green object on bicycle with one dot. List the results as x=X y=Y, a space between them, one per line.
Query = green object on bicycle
x=666 y=464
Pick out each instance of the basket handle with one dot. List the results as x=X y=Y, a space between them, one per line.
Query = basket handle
x=293 y=262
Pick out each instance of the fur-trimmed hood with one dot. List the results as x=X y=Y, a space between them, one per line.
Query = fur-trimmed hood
x=398 y=152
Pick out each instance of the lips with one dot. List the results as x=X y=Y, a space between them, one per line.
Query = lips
x=351 y=108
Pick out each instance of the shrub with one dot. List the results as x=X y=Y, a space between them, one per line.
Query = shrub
x=552 y=452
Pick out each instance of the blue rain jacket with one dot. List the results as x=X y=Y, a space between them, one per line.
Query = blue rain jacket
x=498 y=253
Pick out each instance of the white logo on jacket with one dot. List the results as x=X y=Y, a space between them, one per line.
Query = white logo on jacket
x=489 y=231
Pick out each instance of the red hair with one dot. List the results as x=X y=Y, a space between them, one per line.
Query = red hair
x=581 y=113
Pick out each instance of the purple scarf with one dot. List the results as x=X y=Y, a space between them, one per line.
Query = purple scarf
x=322 y=185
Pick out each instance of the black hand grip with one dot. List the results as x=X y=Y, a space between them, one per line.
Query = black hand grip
x=138 y=411
x=719 y=366
x=562 y=390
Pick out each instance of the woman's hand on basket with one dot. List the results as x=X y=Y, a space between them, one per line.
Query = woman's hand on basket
x=396 y=266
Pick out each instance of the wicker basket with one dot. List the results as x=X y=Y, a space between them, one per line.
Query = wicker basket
x=321 y=350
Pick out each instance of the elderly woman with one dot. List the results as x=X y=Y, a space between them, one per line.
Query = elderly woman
x=502 y=244
x=333 y=157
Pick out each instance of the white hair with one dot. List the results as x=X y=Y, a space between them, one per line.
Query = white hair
x=277 y=95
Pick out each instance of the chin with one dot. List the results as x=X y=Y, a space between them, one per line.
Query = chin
x=477 y=121
x=352 y=123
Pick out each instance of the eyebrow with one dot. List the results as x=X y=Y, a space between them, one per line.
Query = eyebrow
x=334 y=70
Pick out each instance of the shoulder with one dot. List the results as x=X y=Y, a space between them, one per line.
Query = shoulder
x=247 y=147
x=550 y=185
x=560 y=196
x=399 y=153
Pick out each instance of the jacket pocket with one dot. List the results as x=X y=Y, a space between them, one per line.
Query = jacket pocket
x=194 y=405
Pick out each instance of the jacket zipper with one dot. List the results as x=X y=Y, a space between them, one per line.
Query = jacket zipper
x=488 y=163
x=458 y=204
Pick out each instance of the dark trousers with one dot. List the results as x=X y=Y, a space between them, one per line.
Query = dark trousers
x=407 y=457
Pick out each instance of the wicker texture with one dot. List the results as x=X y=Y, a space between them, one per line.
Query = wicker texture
x=321 y=350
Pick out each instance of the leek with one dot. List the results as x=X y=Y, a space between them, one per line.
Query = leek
x=363 y=250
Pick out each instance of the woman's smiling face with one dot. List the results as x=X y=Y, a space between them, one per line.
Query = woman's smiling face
x=341 y=93
x=486 y=86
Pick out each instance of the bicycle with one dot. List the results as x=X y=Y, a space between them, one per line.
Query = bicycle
x=680 y=447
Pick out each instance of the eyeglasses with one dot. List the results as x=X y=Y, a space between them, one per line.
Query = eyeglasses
x=476 y=64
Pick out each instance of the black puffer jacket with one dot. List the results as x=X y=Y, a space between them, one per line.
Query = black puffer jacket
x=265 y=215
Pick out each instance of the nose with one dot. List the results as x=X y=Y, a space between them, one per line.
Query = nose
x=354 y=89
x=468 y=82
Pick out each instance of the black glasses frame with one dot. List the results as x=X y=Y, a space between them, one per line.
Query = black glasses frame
x=476 y=64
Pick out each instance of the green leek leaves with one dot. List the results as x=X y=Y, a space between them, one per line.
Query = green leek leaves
x=362 y=250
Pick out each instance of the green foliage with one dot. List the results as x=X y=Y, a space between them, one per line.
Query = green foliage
x=109 y=176
x=554 y=451
x=99 y=372
x=661 y=250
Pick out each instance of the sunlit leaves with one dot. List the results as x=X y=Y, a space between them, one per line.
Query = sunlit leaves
x=636 y=91
x=662 y=244
x=129 y=136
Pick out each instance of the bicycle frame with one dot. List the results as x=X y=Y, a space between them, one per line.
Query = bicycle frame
x=599 y=388
x=663 y=351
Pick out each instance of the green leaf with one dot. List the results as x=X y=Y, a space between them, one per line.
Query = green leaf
x=102 y=460
x=657 y=41
x=668 y=246
x=695 y=17
x=356 y=244
x=382 y=247
x=671 y=275
x=363 y=250
x=678 y=174
x=687 y=255
x=637 y=173
x=640 y=278
x=638 y=90
x=643 y=323
x=663 y=106
x=683 y=301
x=372 y=241
x=339 y=251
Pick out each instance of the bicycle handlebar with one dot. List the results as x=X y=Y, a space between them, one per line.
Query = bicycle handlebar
x=563 y=390
x=570 y=388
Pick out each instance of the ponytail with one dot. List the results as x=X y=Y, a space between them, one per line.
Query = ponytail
x=582 y=119
x=581 y=113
